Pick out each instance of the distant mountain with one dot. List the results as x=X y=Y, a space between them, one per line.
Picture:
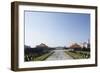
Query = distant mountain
x=42 y=45
x=75 y=45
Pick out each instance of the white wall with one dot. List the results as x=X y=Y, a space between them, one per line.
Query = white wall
x=5 y=40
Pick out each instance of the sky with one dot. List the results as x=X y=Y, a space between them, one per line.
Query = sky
x=55 y=28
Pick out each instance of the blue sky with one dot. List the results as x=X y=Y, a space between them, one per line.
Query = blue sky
x=56 y=29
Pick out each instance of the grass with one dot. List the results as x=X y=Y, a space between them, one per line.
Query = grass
x=78 y=54
x=43 y=57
